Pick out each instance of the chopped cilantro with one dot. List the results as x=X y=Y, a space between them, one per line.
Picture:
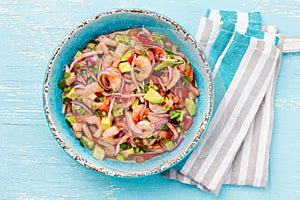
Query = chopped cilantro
x=67 y=75
x=101 y=99
x=144 y=53
x=67 y=89
x=145 y=148
x=66 y=100
x=164 y=127
x=125 y=145
x=62 y=83
x=146 y=87
x=98 y=113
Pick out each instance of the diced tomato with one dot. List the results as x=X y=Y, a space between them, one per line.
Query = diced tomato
x=130 y=59
x=137 y=113
x=187 y=70
x=162 y=93
x=135 y=117
x=169 y=135
x=187 y=122
x=157 y=51
x=133 y=32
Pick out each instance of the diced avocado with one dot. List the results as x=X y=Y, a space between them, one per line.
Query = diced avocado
x=126 y=55
x=72 y=94
x=190 y=106
x=166 y=107
x=120 y=157
x=118 y=112
x=135 y=103
x=180 y=118
x=151 y=85
x=77 y=54
x=122 y=38
x=168 y=144
x=105 y=123
x=124 y=67
x=71 y=119
x=127 y=152
x=153 y=96
x=87 y=142
x=99 y=153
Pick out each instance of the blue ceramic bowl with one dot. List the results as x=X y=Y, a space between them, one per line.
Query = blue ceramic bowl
x=102 y=24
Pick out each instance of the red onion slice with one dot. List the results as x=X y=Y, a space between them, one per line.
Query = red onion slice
x=160 y=123
x=126 y=95
x=82 y=56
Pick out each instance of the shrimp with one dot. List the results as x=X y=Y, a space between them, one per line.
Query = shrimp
x=194 y=90
x=87 y=131
x=91 y=88
x=110 y=132
x=107 y=61
x=144 y=63
x=138 y=113
x=77 y=130
x=121 y=49
x=153 y=119
x=102 y=105
x=156 y=108
x=146 y=127
x=107 y=41
x=109 y=148
x=111 y=79
x=70 y=80
x=122 y=140
x=95 y=120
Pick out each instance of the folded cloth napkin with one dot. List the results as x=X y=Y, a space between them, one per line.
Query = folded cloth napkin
x=235 y=147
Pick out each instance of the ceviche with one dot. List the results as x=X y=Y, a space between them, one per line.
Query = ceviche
x=129 y=95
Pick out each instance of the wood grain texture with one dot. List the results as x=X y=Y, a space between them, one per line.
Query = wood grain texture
x=33 y=166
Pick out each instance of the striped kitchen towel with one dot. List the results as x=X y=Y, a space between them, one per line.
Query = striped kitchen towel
x=235 y=148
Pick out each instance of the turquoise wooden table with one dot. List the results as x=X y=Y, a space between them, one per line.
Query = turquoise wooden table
x=34 y=166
